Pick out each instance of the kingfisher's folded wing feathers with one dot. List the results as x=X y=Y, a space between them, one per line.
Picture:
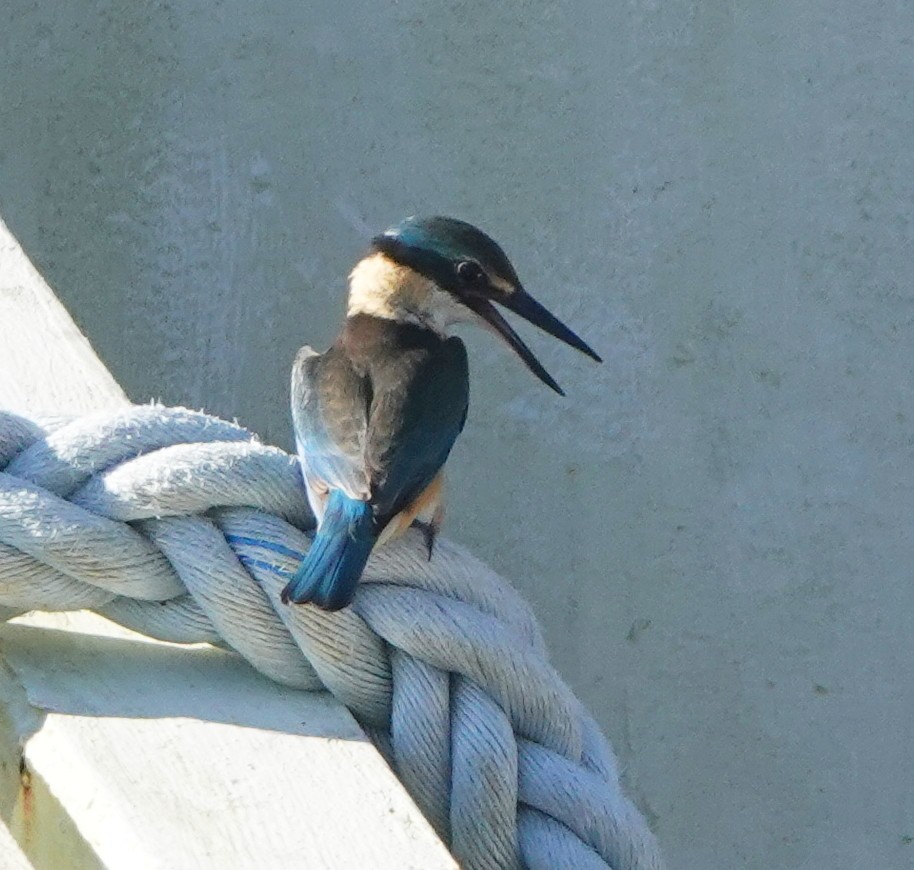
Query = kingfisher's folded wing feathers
x=330 y=415
x=413 y=425
x=379 y=429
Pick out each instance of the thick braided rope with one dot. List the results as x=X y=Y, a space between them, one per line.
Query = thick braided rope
x=185 y=527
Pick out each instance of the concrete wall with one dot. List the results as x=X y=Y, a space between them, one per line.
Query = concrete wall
x=715 y=525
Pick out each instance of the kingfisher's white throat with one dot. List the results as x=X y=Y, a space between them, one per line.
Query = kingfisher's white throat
x=381 y=287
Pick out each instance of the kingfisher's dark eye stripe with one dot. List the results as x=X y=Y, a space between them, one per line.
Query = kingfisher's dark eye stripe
x=424 y=261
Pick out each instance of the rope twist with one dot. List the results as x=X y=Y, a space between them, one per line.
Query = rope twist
x=185 y=527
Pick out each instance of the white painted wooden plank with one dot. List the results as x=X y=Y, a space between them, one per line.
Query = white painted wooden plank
x=46 y=363
x=142 y=754
x=282 y=785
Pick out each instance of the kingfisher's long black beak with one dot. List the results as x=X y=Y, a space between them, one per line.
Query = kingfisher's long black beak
x=522 y=303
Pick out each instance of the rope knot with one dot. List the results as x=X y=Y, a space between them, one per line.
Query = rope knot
x=185 y=527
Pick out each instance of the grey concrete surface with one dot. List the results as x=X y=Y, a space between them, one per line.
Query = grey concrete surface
x=714 y=526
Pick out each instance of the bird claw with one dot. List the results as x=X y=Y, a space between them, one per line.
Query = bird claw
x=429 y=533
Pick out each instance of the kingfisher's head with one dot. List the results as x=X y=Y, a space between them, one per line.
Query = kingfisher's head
x=437 y=271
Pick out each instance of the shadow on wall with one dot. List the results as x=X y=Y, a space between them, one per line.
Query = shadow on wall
x=131 y=171
x=77 y=185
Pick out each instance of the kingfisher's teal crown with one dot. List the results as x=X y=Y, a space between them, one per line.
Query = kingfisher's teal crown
x=448 y=240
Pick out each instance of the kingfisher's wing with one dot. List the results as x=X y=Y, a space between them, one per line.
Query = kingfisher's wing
x=417 y=412
x=330 y=402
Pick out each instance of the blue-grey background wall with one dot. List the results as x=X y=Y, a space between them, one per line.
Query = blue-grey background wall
x=714 y=526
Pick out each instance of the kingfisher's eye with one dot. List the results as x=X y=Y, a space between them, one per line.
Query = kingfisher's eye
x=471 y=272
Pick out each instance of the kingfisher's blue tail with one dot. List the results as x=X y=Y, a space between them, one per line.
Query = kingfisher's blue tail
x=329 y=573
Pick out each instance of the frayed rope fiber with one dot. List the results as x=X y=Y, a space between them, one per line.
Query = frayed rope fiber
x=186 y=528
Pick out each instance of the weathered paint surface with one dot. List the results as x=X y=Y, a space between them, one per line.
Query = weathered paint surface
x=715 y=525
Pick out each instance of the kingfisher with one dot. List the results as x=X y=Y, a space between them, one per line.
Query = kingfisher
x=375 y=416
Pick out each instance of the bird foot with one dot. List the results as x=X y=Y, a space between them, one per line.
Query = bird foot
x=429 y=533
